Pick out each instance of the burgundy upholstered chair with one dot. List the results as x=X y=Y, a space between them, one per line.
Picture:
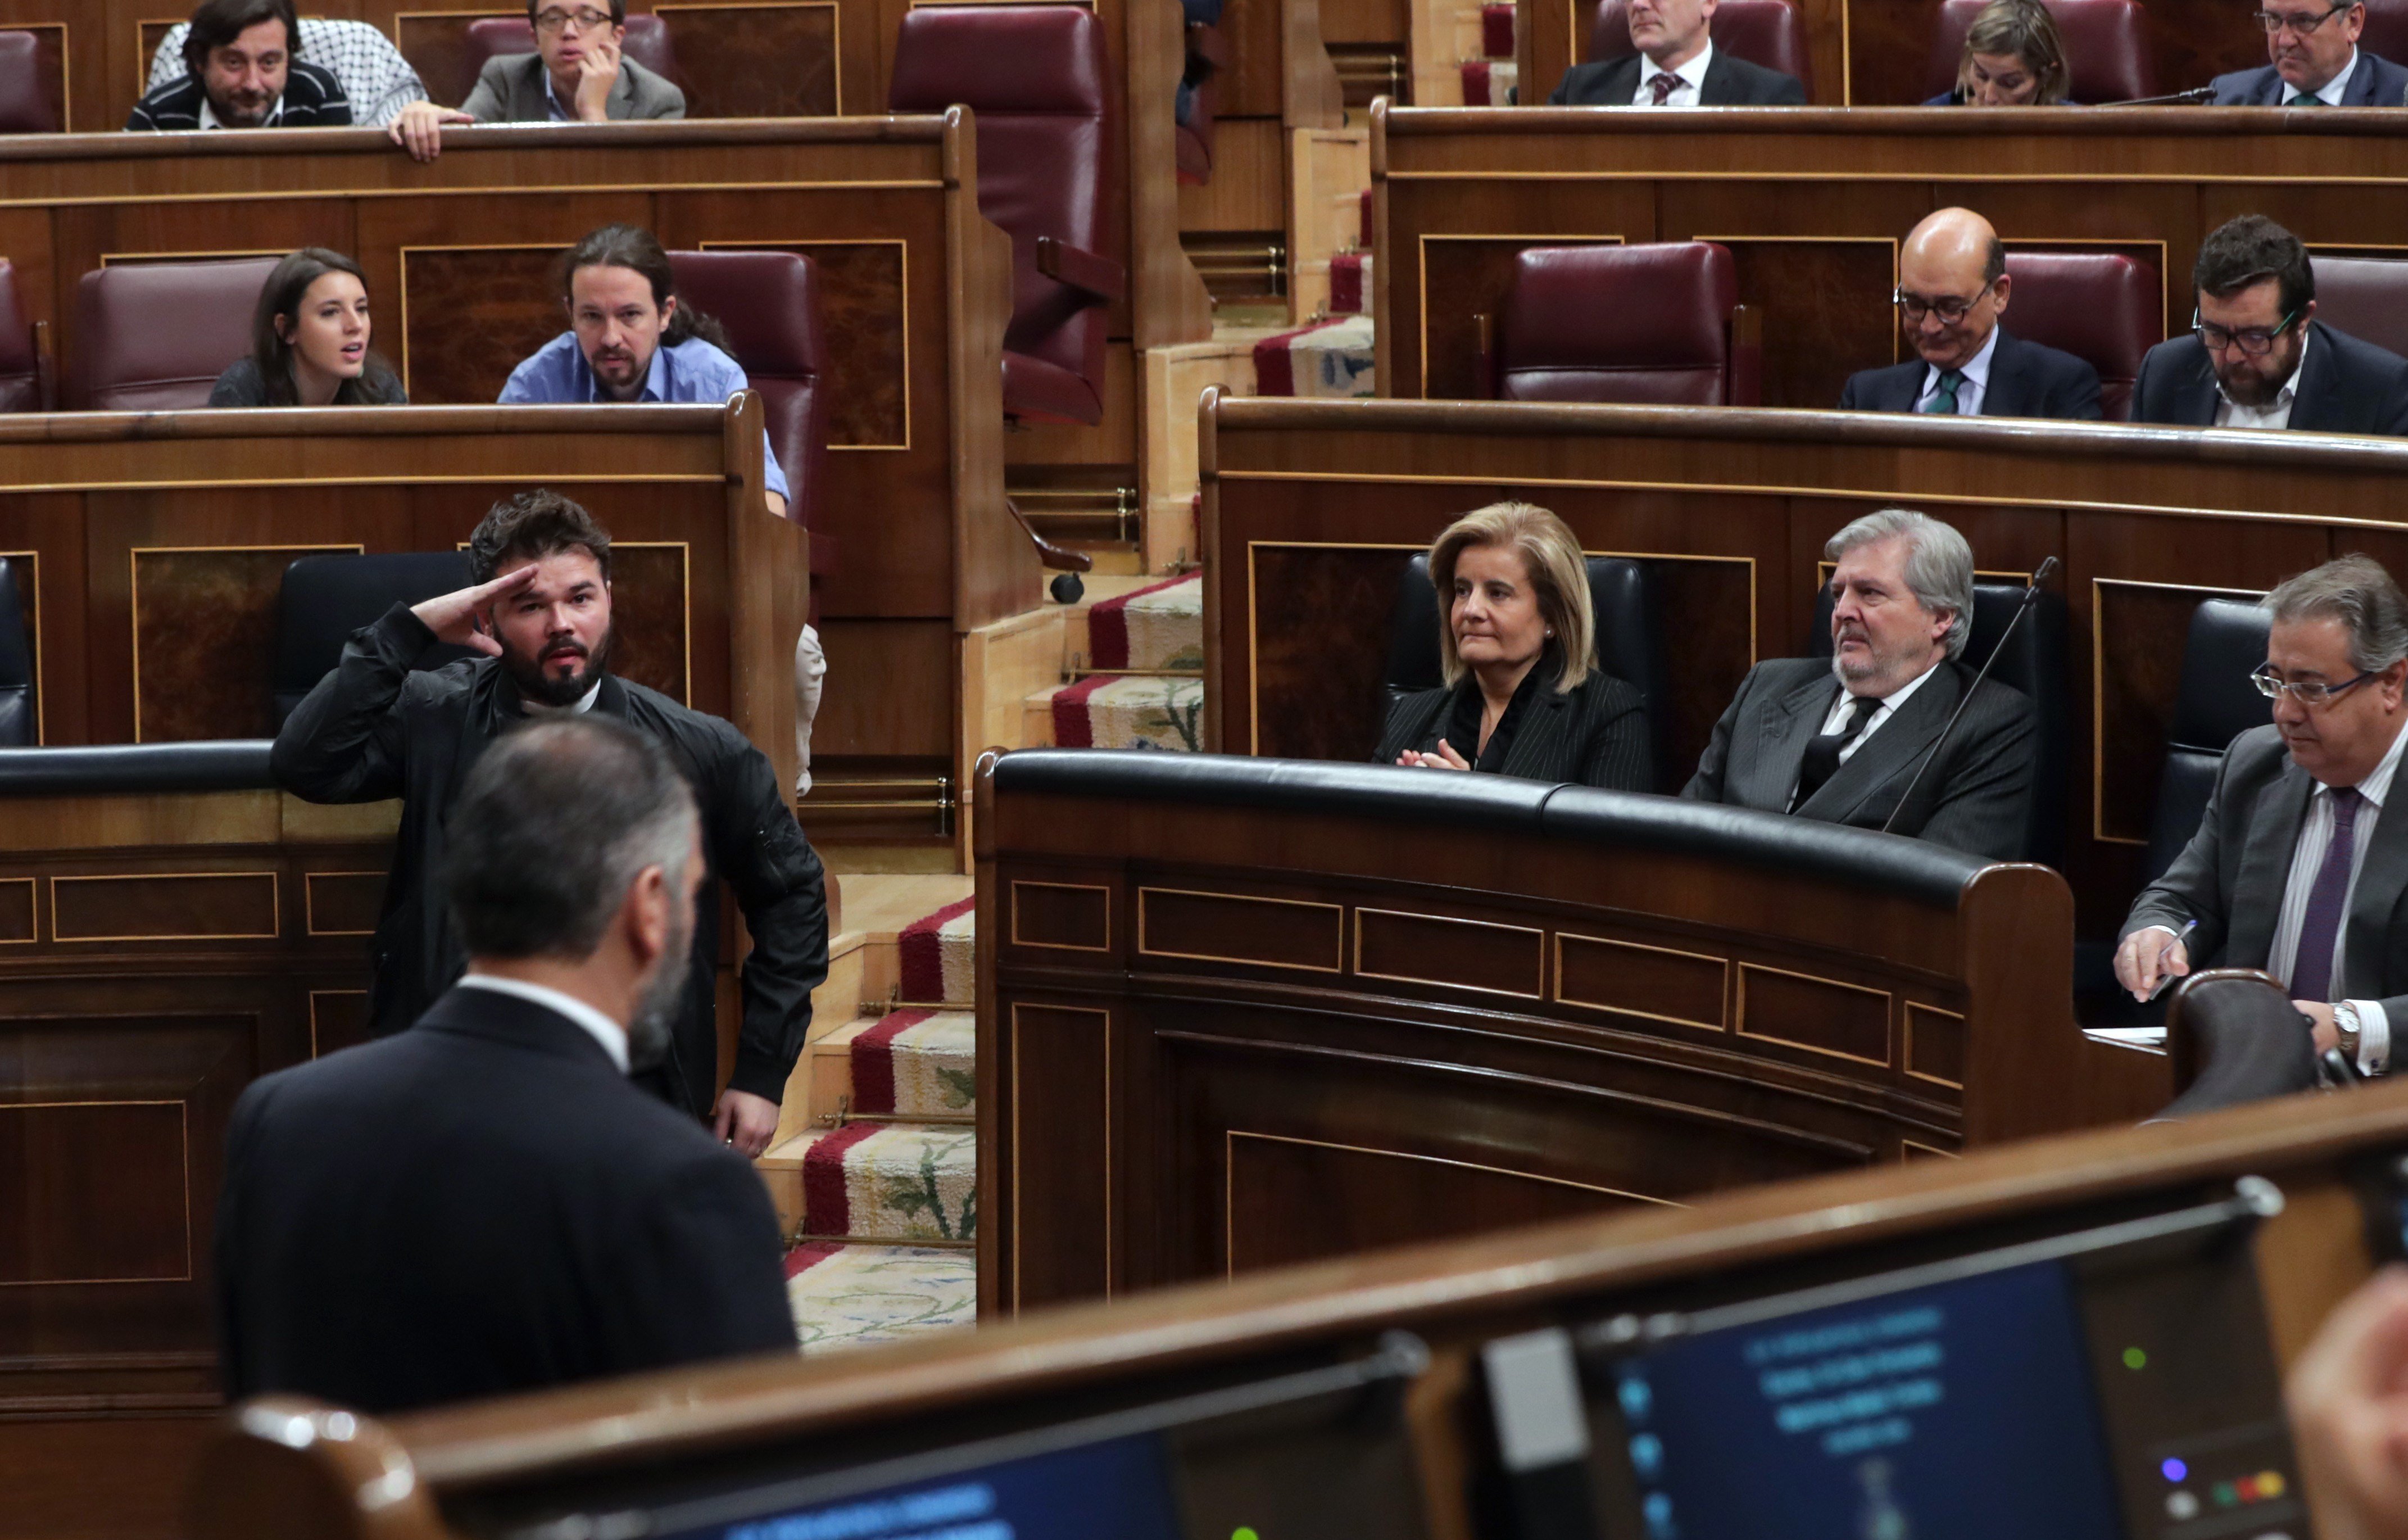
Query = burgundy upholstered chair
x=1640 y=325
x=1048 y=174
x=2106 y=311
x=155 y=335
x=2386 y=30
x=1771 y=32
x=769 y=303
x=22 y=375
x=2106 y=48
x=2365 y=297
x=647 y=43
x=25 y=106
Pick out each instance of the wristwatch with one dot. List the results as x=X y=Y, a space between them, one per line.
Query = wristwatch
x=2345 y=1028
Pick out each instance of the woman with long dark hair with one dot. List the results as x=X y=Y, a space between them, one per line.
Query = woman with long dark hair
x=309 y=341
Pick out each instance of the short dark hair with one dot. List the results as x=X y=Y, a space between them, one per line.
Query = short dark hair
x=535 y=525
x=1994 y=261
x=280 y=296
x=557 y=820
x=217 y=23
x=618 y=11
x=634 y=248
x=2250 y=250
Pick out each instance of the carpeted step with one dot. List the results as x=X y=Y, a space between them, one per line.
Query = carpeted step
x=1350 y=283
x=1333 y=359
x=1488 y=82
x=917 y=1064
x=894 y=1182
x=851 y=1296
x=1127 y=712
x=938 y=957
x=1158 y=627
x=1497 y=30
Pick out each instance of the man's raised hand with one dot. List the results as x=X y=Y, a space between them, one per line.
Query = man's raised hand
x=459 y=617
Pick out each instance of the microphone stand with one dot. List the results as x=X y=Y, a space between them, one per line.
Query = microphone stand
x=1931 y=755
x=2196 y=93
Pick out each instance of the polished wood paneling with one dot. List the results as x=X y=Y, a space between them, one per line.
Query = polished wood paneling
x=1651 y=982
x=1239 y=927
x=166 y=906
x=762 y=61
x=1069 y=916
x=342 y=903
x=205 y=640
x=1069 y=1245
x=862 y=300
x=83 y=1226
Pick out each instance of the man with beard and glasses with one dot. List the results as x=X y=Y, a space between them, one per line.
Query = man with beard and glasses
x=239 y=72
x=485 y=1203
x=2258 y=357
x=539 y=612
x=1841 y=741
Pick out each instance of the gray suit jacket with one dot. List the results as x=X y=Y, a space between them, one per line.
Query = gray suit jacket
x=509 y=90
x=2231 y=875
x=1977 y=798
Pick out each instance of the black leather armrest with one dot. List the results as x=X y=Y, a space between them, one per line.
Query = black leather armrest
x=1081 y=269
x=235 y=764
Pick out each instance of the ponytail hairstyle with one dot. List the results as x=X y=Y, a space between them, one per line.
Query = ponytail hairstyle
x=272 y=352
x=639 y=251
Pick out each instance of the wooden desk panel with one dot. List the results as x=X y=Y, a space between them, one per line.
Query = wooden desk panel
x=1813 y=204
x=1311 y=509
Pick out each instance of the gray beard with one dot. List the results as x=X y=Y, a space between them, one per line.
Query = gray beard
x=649 y=1029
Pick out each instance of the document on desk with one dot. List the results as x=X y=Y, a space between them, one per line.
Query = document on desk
x=2126 y=1036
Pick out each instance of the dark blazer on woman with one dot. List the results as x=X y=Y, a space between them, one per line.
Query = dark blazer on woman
x=240 y=385
x=1593 y=735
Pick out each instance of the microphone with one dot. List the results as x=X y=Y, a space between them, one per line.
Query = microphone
x=2196 y=93
x=1931 y=755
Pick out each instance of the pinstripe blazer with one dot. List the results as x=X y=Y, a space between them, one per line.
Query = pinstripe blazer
x=1593 y=735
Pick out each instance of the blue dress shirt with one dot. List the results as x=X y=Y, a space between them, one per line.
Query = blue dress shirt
x=557 y=374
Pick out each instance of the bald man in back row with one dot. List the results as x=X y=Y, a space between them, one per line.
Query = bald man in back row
x=1953 y=287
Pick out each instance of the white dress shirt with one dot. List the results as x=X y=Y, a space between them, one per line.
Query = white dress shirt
x=2275 y=413
x=1692 y=74
x=578 y=707
x=605 y=1032
x=2315 y=837
x=2330 y=91
x=1972 y=389
x=1837 y=717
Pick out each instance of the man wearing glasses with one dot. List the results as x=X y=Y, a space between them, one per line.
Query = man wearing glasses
x=1952 y=288
x=2257 y=358
x=2316 y=62
x=2295 y=868
x=575 y=75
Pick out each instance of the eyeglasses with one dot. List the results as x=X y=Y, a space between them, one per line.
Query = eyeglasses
x=2299 y=23
x=585 y=19
x=2311 y=693
x=1947 y=306
x=2257 y=342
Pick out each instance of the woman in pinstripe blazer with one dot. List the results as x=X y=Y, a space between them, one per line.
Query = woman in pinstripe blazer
x=1524 y=696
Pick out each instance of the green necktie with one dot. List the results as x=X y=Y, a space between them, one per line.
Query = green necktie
x=1943 y=401
x=2302 y=98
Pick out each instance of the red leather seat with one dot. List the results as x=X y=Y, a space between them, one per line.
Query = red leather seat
x=1771 y=32
x=2365 y=297
x=25 y=106
x=769 y=303
x=1048 y=174
x=155 y=335
x=21 y=360
x=2387 y=29
x=647 y=42
x=1645 y=325
x=2106 y=311
x=2106 y=48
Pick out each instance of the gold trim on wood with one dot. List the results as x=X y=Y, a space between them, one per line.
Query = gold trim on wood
x=1144 y=950
x=1906 y=1144
x=137 y=259
x=1017 y=1120
x=33 y=912
x=1562 y=999
x=1740 y=1014
x=768 y=244
x=1537 y=935
x=1897 y=338
x=184 y=1152
x=66 y=66
x=309 y=915
x=275 y=902
x=836 y=27
x=1906 y=1059
x=2098 y=693
x=134 y=594
x=1018 y=940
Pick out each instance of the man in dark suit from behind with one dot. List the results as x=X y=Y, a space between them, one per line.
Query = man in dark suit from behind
x=2296 y=868
x=2316 y=62
x=485 y=1204
x=1953 y=287
x=2258 y=357
x=1841 y=739
x=1676 y=64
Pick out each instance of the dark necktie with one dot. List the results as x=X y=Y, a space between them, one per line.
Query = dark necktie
x=1943 y=401
x=1663 y=84
x=2304 y=99
x=2312 y=964
x=1823 y=754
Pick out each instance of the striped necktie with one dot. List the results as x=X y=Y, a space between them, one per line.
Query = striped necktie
x=1943 y=401
x=1663 y=83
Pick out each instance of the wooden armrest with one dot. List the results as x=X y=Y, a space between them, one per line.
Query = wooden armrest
x=1081 y=269
x=1048 y=554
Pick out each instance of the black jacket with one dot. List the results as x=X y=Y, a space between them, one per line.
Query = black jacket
x=373 y=729
x=313 y=98
x=1977 y=798
x=1730 y=82
x=2027 y=380
x=2346 y=386
x=2377 y=82
x=482 y=1205
x=240 y=385
x=1593 y=735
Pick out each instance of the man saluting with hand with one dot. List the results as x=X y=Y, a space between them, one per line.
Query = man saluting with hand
x=541 y=615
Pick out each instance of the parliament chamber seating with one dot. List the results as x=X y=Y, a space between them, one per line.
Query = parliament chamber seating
x=25 y=105
x=2034 y=663
x=1642 y=325
x=647 y=43
x=2365 y=297
x=19 y=712
x=2107 y=48
x=24 y=377
x=2215 y=703
x=2106 y=309
x=769 y=304
x=1771 y=32
x=323 y=599
x=2234 y=1037
x=1629 y=637
x=2386 y=32
x=1035 y=76
x=155 y=335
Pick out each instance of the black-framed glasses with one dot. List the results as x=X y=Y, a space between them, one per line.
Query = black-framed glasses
x=584 y=18
x=2311 y=693
x=2257 y=342
x=2299 y=23
x=1948 y=307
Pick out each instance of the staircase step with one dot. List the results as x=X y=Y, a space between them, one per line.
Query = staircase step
x=1331 y=359
x=1125 y=711
x=917 y=1064
x=880 y=1182
x=939 y=957
x=851 y=1296
x=1160 y=627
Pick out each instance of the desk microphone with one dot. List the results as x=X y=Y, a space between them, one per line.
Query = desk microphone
x=2179 y=98
x=1931 y=755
